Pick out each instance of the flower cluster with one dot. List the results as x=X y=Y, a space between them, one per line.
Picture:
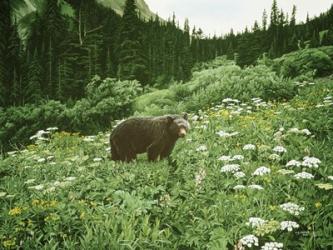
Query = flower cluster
x=289 y=225
x=249 y=147
x=239 y=174
x=294 y=163
x=261 y=171
x=249 y=241
x=201 y=148
x=304 y=175
x=200 y=176
x=238 y=187
x=292 y=208
x=299 y=131
x=40 y=135
x=311 y=162
x=230 y=168
x=226 y=134
x=233 y=158
x=272 y=246
x=279 y=149
x=255 y=222
x=254 y=186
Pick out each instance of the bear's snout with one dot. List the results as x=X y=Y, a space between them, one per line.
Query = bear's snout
x=182 y=133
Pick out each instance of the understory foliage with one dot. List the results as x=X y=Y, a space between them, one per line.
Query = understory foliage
x=251 y=173
x=106 y=101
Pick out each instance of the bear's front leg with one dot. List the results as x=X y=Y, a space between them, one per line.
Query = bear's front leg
x=153 y=151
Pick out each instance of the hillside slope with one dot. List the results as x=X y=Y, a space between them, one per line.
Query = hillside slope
x=249 y=173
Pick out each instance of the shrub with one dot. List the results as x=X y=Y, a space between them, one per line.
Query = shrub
x=303 y=62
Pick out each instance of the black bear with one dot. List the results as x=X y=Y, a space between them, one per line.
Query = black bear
x=155 y=135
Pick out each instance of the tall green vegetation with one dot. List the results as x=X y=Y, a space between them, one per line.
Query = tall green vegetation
x=132 y=63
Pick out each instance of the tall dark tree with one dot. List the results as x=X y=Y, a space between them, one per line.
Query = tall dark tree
x=132 y=63
x=5 y=30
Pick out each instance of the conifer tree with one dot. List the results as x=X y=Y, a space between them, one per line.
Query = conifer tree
x=132 y=64
x=5 y=28
x=32 y=91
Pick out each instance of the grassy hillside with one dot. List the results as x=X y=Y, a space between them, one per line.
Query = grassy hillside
x=249 y=173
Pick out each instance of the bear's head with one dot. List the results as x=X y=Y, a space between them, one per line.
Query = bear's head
x=178 y=125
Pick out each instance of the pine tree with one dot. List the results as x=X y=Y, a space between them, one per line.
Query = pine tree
x=32 y=91
x=132 y=63
x=5 y=29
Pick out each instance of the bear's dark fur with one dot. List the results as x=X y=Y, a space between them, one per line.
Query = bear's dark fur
x=155 y=135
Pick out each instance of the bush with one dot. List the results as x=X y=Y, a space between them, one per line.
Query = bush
x=303 y=62
x=106 y=100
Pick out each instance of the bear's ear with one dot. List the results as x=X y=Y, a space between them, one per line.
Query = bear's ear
x=185 y=116
x=170 y=119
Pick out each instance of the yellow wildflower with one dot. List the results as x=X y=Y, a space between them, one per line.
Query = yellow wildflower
x=15 y=211
x=318 y=205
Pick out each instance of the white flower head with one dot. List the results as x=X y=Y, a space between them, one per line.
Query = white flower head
x=255 y=222
x=230 y=168
x=71 y=178
x=330 y=178
x=311 y=162
x=238 y=158
x=279 y=149
x=97 y=159
x=249 y=147
x=29 y=181
x=289 y=225
x=293 y=163
x=239 y=174
x=272 y=246
x=249 y=241
x=292 y=208
x=41 y=160
x=256 y=187
x=261 y=171
x=226 y=134
x=238 y=187
x=52 y=129
x=304 y=175
x=201 y=148
x=274 y=157
x=38 y=187
x=225 y=158
x=200 y=176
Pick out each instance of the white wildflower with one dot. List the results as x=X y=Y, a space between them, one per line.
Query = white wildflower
x=330 y=178
x=272 y=246
x=201 y=148
x=279 y=149
x=227 y=100
x=311 y=162
x=249 y=241
x=39 y=135
x=274 y=157
x=38 y=187
x=304 y=175
x=97 y=159
x=261 y=171
x=2 y=194
x=52 y=129
x=12 y=153
x=226 y=134
x=293 y=163
x=89 y=138
x=29 y=181
x=239 y=174
x=306 y=131
x=49 y=190
x=195 y=118
x=71 y=178
x=225 y=158
x=238 y=187
x=249 y=147
x=238 y=158
x=255 y=222
x=41 y=160
x=230 y=168
x=51 y=157
x=200 y=176
x=294 y=131
x=289 y=225
x=292 y=208
x=254 y=186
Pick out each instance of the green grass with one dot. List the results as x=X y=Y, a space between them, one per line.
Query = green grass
x=66 y=194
